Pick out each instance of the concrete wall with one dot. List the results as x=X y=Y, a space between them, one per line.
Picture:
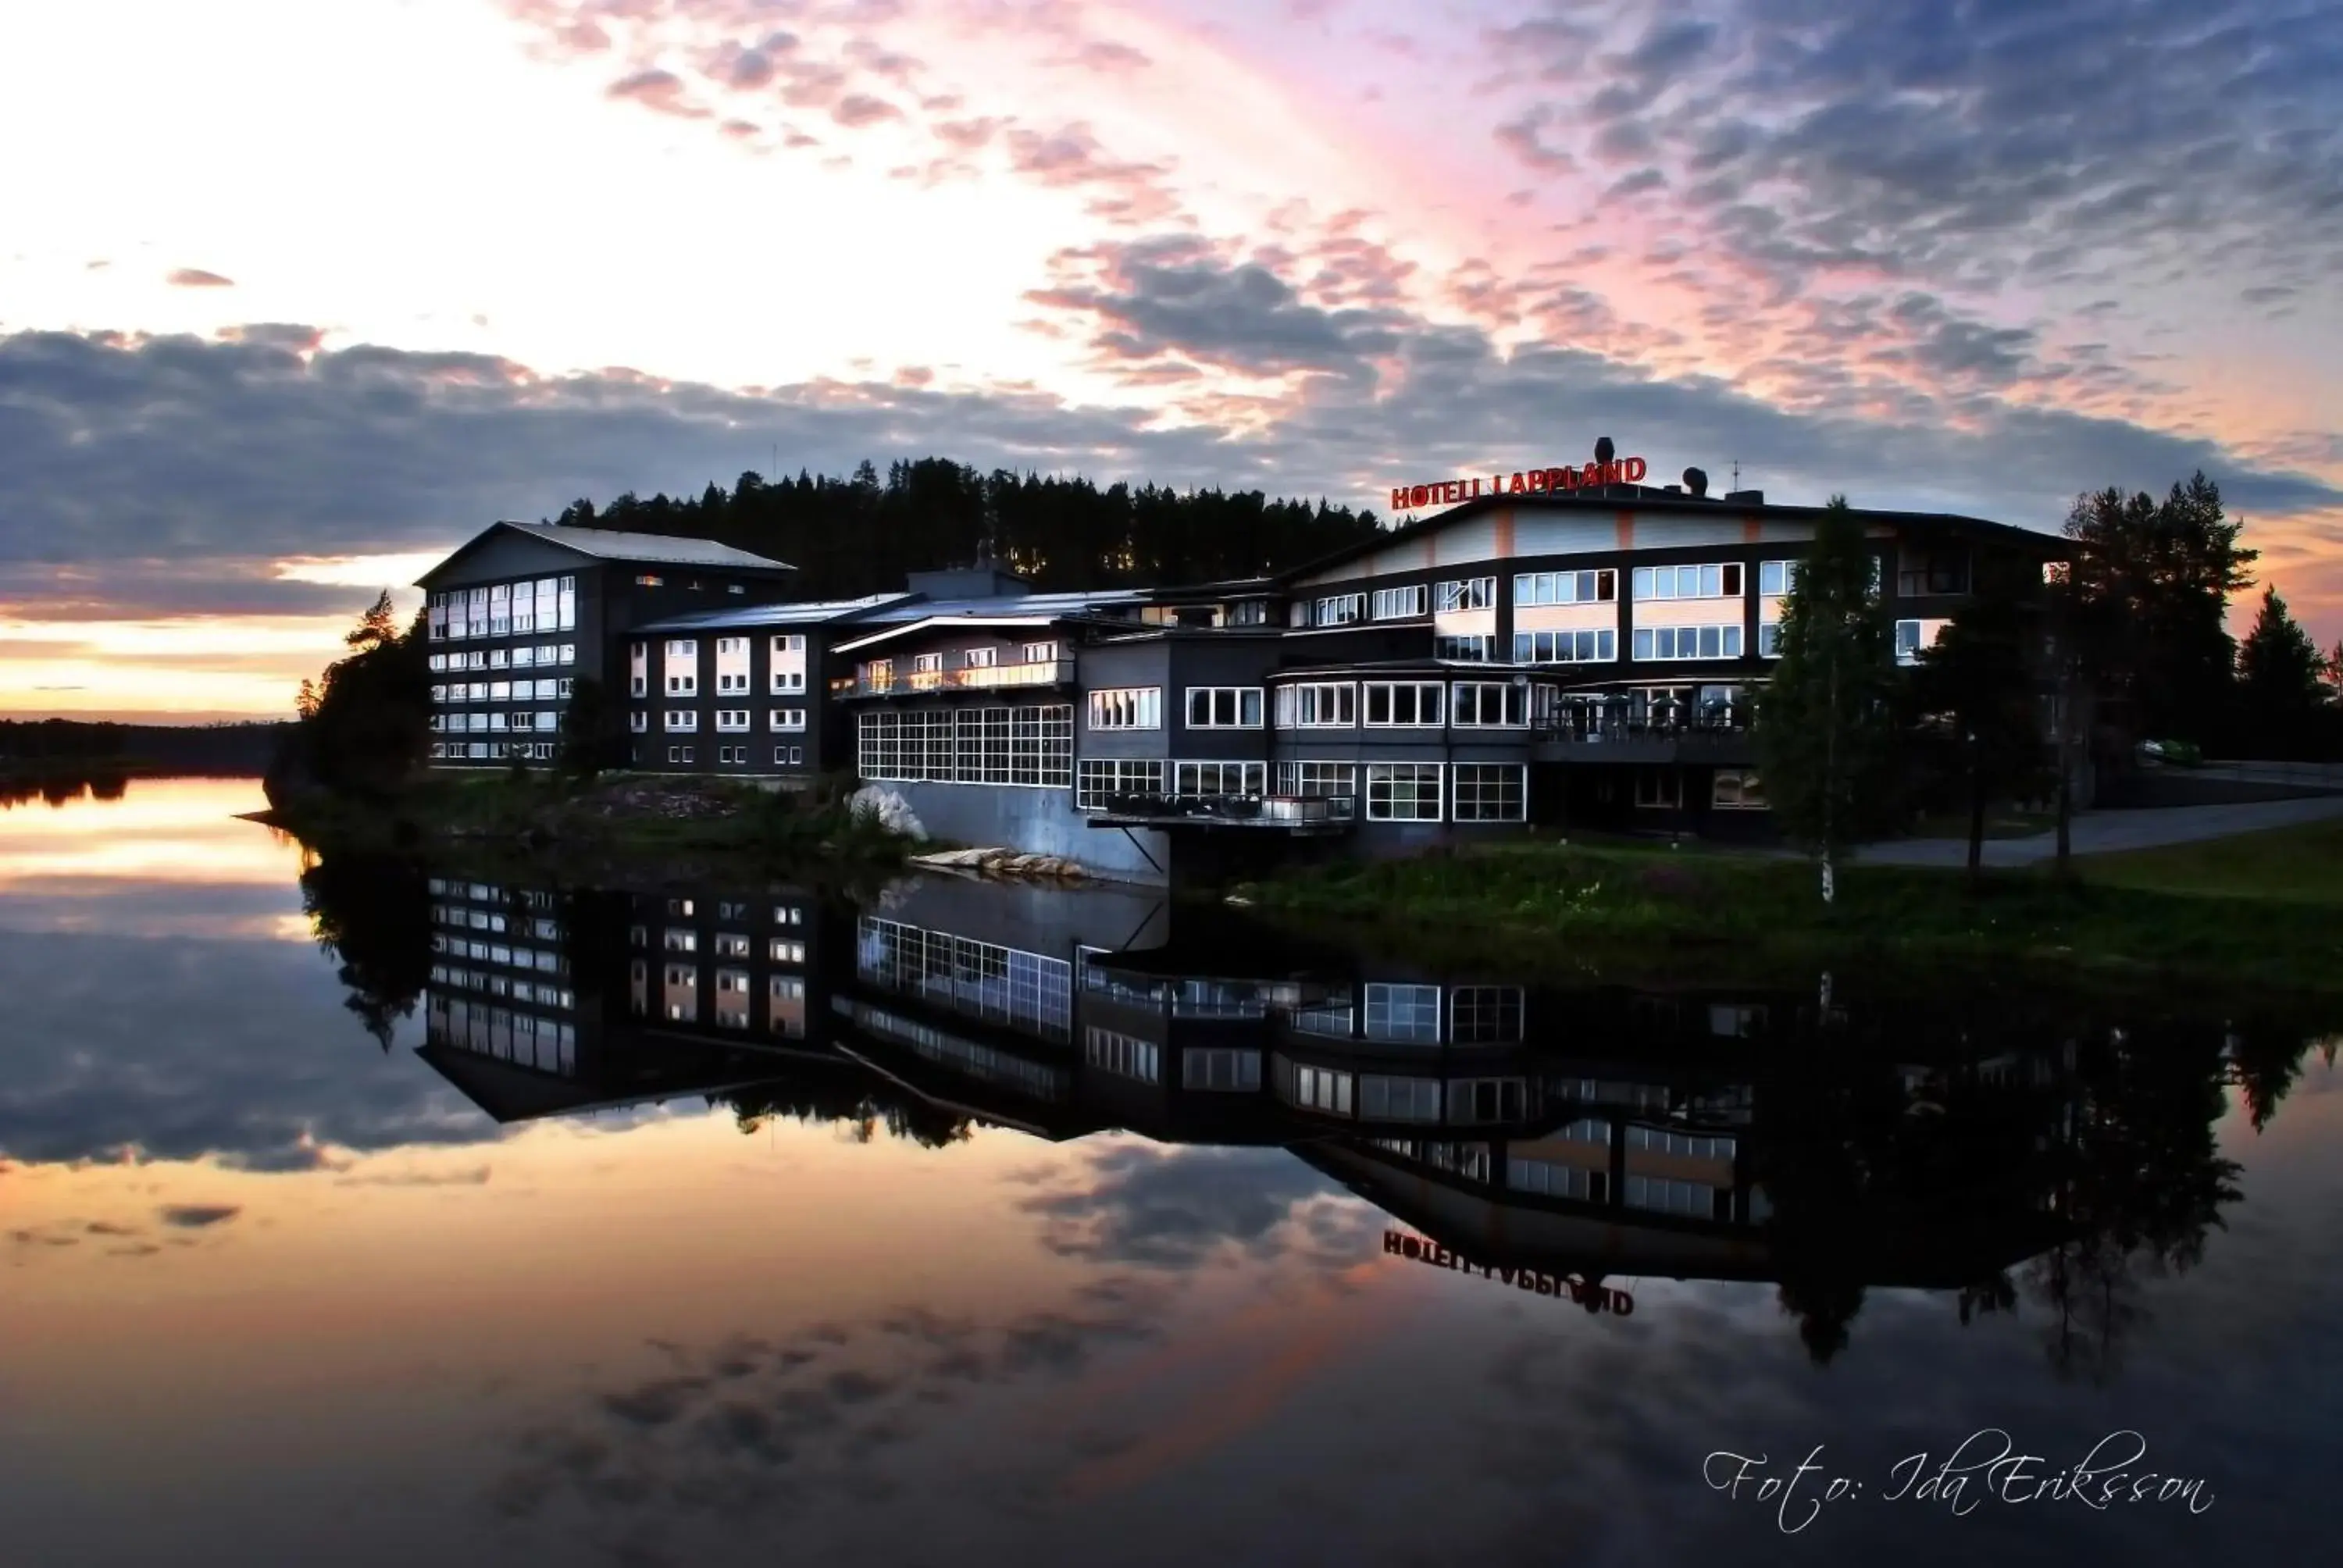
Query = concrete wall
x=1034 y=821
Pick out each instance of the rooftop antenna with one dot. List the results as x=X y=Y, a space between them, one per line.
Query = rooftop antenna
x=1736 y=473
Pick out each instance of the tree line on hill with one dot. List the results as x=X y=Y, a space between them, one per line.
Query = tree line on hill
x=240 y=747
x=860 y=535
x=2127 y=642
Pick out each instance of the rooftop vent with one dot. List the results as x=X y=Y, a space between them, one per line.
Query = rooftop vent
x=1696 y=482
x=1746 y=498
x=1604 y=450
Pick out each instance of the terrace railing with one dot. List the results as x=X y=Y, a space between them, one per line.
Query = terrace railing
x=978 y=677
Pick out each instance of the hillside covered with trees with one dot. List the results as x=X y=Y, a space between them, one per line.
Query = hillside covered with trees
x=860 y=534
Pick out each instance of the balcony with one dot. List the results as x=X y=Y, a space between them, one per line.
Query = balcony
x=1618 y=731
x=1299 y=815
x=980 y=677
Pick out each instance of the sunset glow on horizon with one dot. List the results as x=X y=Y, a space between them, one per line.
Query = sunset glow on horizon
x=300 y=296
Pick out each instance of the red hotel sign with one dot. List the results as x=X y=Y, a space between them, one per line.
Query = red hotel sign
x=1563 y=1287
x=1530 y=482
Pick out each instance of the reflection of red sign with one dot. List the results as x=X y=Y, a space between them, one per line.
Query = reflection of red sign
x=1529 y=482
x=1567 y=1286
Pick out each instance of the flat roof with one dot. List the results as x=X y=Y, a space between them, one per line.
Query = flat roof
x=811 y=612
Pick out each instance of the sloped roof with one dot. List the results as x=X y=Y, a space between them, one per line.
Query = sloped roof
x=616 y=545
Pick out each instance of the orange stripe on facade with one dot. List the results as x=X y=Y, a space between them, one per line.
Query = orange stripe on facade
x=1626 y=531
x=1751 y=530
x=1504 y=527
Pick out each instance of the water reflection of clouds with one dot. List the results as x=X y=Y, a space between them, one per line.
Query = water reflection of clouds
x=102 y=1030
x=1131 y=1201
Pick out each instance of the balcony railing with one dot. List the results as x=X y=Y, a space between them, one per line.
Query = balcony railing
x=1658 y=721
x=1299 y=810
x=976 y=678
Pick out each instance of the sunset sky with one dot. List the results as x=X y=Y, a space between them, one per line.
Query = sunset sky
x=295 y=295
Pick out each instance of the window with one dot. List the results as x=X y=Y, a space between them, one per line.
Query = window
x=1925 y=572
x=1341 y=609
x=683 y=668
x=1769 y=640
x=1485 y=1014
x=1029 y=745
x=1659 y=789
x=1126 y=708
x=648 y=580
x=500 y=610
x=566 y=608
x=1125 y=1055
x=789 y=661
x=1041 y=653
x=1399 y=603
x=1716 y=580
x=787 y=717
x=1736 y=789
x=1464 y=649
x=1219 y=1069
x=1912 y=636
x=731 y=665
x=1224 y=707
x=1490 y=792
x=524 y=721
x=732 y=719
x=1104 y=778
x=1249 y=612
x=1406 y=1013
x=639 y=721
x=787 y=756
x=732 y=754
x=1467 y=593
x=1317 y=780
x=1382 y=1099
x=1487 y=704
x=499 y=691
x=1402 y=792
x=439 y=620
x=1320 y=1088
x=1565 y=647
x=1199 y=780
x=879 y=674
x=1776 y=578
x=682 y=718
x=981 y=658
x=1565 y=587
x=786 y=950
x=927 y=663
x=1402 y=705
x=1317 y=705
x=1661 y=642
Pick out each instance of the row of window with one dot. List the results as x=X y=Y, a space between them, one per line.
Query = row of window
x=492 y=751
x=1402 y=704
x=1395 y=791
x=783 y=755
x=541 y=655
x=505 y=690
x=1030 y=746
x=1713 y=580
x=495 y=723
x=503 y=609
x=685 y=720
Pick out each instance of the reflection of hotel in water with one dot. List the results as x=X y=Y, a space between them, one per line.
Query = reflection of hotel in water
x=1593 y=1130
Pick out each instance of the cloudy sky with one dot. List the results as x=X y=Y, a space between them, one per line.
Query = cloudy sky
x=293 y=295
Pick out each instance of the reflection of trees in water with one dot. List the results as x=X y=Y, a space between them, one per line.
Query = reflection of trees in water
x=854 y=1101
x=372 y=914
x=2112 y=1157
x=64 y=790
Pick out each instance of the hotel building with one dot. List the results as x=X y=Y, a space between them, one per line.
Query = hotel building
x=1566 y=657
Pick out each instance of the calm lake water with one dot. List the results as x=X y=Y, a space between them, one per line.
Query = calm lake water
x=710 y=1222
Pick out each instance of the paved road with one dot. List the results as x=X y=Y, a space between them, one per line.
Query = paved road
x=2099 y=832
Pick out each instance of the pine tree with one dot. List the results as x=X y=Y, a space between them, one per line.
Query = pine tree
x=2279 y=678
x=1825 y=721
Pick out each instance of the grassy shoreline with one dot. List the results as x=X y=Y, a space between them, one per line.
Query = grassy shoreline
x=2264 y=908
x=620 y=822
